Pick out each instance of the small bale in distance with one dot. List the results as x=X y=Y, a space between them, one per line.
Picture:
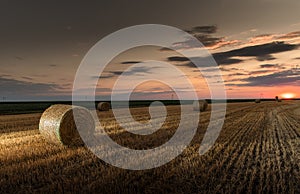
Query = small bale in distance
x=200 y=105
x=58 y=125
x=103 y=106
x=257 y=101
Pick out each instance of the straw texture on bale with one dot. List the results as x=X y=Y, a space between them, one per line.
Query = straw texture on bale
x=200 y=105
x=257 y=101
x=103 y=106
x=58 y=126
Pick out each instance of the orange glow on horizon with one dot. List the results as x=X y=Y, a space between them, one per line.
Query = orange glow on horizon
x=288 y=95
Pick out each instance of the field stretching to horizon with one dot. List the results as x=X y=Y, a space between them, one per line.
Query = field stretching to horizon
x=258 y=151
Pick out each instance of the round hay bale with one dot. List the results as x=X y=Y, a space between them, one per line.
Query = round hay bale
x=257 y=101
x=200 y=105
x=58 y=126
x=103 y=106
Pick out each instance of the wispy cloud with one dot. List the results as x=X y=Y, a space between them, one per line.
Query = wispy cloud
x=267 y=38
x=262 y=38
x=205 y=35
x=11 y=87
x=140 y=70
x=19 y=58
x=290 y=35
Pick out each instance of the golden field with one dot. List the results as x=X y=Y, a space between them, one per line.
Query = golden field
x=257 y=151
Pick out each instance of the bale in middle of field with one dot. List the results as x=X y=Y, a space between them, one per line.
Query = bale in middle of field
x=103 y=106
x=257 y=101
x=200 y=105
x=58 y=125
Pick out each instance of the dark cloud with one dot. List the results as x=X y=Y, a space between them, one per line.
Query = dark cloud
x=130 y=62
x=165 y=49
x=116 y=72
x=223 y=60
x=208 y=40
x=230 y=69
x=102 y=76
x=268 y=65
x=178 y=58
x=204 y=35
x=277 y=66
x=258 y=51
x=203 y=29
x=13 y=87
x=275 y=79
x=265 y=58
x=237 y=74
x=218 y=58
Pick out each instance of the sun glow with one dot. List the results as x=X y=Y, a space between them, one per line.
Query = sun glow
x=288 y=95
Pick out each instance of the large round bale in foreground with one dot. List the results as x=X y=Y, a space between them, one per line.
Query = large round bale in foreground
x=257 y=101
x=103 y=106
x=58 y=126
x=200 y=105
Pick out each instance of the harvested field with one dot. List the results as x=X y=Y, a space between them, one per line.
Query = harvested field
x=257 y=151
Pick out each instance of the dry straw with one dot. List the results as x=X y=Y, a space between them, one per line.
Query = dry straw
x=58 y=126
x=103 y=106
x=200 y=105
x=257 y=101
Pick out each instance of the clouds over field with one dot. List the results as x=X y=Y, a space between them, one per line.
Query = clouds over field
x=258 y=61
x=264 y=60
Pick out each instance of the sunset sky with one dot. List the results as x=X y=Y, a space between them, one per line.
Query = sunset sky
x=255 y=43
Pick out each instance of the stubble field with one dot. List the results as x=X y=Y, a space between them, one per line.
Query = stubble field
x=258 y=150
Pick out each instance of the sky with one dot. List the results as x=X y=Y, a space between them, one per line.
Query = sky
x=255 y=44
